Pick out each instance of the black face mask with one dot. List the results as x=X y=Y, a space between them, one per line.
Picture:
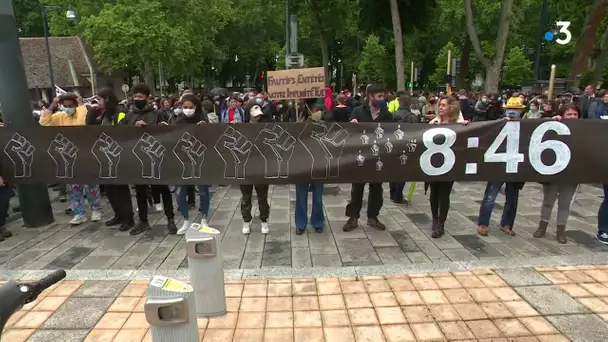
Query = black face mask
x=140 y=104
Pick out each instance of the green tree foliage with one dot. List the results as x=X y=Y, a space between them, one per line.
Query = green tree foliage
x=517 y=69
x=375 y=62
x=441 y=62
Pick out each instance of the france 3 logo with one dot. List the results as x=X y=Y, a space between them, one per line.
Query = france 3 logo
x=563 y=35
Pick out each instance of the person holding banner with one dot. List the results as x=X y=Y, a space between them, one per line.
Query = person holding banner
x=109 y=112
x=374 y=110
x=193 y=114
x=141 y=115
x=256 y=116
x=449 y=113
x=69 y=113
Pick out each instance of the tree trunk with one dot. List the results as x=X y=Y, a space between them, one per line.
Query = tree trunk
x=600 y=60
x=325 y=57
x=464 y=64
x=586 y=41
x=492 y=67
x=399 y=60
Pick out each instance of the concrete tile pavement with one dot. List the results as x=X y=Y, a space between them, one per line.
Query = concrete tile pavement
x=406 y=241
x=555 y=303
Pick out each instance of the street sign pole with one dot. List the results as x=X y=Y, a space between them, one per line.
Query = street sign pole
x=14 y=97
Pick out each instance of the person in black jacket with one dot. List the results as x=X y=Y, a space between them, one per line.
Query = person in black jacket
x=108 y=112
x=141 y=115
x=404 y=115
x=374 y=110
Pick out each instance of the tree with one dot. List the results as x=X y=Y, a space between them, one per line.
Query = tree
x=517 y=68
x=398 y=36
x=586 y=41
x=492 y=67
x=439 y=76
x=373 y=66
x=142 y=33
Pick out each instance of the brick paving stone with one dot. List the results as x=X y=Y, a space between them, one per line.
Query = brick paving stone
x=406 y=240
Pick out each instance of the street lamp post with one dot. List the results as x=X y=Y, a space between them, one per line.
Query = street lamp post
x=17 y=114
x=71 y=16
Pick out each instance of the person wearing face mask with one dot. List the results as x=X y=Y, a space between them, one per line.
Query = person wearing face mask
x=267 y=106
x=563 y=192
x=534 y=112
x=69 y=113
x=481 y=108
x=193 y=115
x=233 y=114
x=261 y=190
x=143 y=114
x=375 y=110
x=429 y=110
x=111 y=113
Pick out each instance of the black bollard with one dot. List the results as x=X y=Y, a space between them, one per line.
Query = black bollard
x=14 y=99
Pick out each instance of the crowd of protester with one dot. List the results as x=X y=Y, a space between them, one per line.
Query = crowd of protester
x=372 y=104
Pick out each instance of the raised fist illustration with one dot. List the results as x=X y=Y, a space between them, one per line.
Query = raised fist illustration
x=150 y=153
x=325 y=147
x=191 y=153
x=411 y=145
x=379 y=132
x=63 y=152
x=399 y=134
x=21 y=152
x=107 y=152
x=276 y=146
x=234 y=148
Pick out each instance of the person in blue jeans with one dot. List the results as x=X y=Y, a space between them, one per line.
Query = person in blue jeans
x=317 y=218
x=181 y=194
x=510 y=209
x=602 y=219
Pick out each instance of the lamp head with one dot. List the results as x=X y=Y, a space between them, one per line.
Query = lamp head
x=71 y=14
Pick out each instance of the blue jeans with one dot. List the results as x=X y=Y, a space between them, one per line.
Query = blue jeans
x=317 y=218
x=181 y=194
x=489 y=198
x=602 y=215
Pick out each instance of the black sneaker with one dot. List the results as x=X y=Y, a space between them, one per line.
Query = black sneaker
x=351 y=224
x=374 y=223
x=300 y=231
x=140 y=228
x=126 y=226
x=113 y=222
x=5 y=233
x=63 y=199
x=171 y=227
x=319 y=230
x=68 y=211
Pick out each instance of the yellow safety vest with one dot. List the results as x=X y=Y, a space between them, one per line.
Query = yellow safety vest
x=393 y=106
x=120 y=117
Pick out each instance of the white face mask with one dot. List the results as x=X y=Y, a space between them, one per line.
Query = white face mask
x=188 y=112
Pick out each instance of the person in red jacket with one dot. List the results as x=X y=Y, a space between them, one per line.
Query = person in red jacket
x=329 y=99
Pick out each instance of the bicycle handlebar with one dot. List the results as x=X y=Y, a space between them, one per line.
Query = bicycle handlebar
x=14 y=296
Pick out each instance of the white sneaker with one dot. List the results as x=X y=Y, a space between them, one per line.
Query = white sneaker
x=158 y=207
x=96 y=216
x=184 y=228
x=78 y=219
x=246 y=228
x=265 y=228
x=204 y=222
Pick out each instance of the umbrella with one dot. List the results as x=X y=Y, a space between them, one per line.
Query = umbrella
x=220 y=91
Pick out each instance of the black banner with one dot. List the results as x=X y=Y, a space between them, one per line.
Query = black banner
x=569 y=151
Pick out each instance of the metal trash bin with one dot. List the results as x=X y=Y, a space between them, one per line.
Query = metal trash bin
x=170 y=310
x=206 y=267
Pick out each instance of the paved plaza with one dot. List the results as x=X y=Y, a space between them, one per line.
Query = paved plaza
x=406 y=241
x=550 y=304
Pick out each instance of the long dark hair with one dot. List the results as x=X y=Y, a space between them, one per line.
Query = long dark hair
x=111 y=101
